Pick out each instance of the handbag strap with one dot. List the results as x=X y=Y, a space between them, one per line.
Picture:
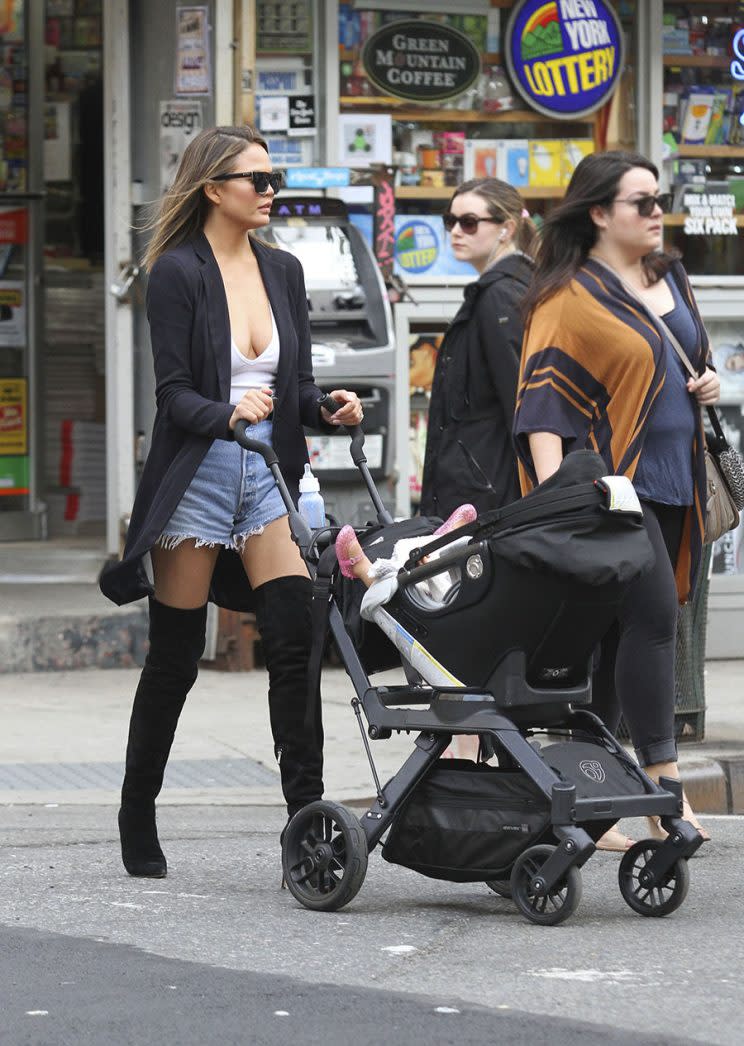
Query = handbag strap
x=673 y=340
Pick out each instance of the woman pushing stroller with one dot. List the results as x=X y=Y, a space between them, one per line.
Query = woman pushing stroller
x=231 y=340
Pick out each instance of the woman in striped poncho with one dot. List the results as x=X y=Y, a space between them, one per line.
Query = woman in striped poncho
x=598 y=371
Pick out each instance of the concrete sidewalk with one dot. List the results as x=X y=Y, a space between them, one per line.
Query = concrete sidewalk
x=63 y=737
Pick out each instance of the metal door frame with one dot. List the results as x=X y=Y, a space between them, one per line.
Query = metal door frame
x=117 y=257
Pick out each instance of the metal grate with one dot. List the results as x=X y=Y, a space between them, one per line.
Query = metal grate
x=183 y=773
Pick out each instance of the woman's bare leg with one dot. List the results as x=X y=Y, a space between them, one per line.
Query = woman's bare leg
x=183 y=574
x=272 y=554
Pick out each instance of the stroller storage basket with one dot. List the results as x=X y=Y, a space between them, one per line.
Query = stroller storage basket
x=468 y=822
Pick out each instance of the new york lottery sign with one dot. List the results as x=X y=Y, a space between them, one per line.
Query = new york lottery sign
x=565 y=56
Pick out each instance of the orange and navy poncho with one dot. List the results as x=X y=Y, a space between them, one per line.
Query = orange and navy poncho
x=593 y=364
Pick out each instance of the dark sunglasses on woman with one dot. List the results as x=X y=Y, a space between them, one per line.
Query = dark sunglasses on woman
x=468 y=222
x=647 y=204
x=261 y=179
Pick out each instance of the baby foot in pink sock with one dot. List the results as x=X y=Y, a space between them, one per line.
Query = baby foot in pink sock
x=463 y=514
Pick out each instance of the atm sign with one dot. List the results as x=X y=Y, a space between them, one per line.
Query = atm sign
x=565 y=56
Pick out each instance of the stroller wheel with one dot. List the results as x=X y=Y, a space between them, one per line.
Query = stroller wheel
x=324 y=856
x=502 y=887
x=550 y=908
x=661 y=898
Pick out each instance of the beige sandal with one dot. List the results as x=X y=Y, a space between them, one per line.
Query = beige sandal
x=615 y=841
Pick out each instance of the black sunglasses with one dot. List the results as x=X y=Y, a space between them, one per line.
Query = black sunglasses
x=261 y=179
x=647 y=204
x=468 y=222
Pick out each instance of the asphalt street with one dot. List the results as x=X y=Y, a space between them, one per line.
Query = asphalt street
x=217 y=952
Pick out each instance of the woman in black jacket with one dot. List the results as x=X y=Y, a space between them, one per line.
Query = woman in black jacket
x=231 y=340
x=469 y=451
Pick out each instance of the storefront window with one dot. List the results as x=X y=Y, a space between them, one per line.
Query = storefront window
x=286 y=75
x=74 y=472
x=704 y=148
x=704 y=133
x=15 y=476
x=429 y=93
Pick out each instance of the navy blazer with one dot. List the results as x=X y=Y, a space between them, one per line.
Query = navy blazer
x=190 y=335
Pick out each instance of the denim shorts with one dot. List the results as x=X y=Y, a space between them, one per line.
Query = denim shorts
x=232 y=496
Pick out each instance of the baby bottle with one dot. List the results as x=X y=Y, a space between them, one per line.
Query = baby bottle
x=311 y=504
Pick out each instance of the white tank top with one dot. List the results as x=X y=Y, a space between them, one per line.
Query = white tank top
x=253 y=374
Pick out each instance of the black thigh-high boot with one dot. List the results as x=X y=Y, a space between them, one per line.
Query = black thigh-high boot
x=283 y=617
x=176 y=643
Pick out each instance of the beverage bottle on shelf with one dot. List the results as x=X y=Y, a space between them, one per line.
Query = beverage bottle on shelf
x=311 y=505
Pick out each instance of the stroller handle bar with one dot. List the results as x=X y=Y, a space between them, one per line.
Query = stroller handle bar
x=357 y=455
x=299 y=529
x=329 y=404
x=266 y=451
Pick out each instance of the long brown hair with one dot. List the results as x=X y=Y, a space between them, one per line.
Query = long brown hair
x=184 y=207
x=503 y=202
x=568 y=232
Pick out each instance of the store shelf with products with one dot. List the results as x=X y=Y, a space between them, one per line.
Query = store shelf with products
x=712 y=151
x=703 y=110
x=402 y=112
x=703 y=99
x=287 y=73
x=697 y=61
x=436 y=141
x=488 y=109
x=425 y=192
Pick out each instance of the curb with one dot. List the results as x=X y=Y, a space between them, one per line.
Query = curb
x=59 y=644
x=714 y=786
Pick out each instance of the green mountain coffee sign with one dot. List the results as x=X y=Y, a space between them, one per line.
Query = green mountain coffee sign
x=564 y=57
x=420 y=61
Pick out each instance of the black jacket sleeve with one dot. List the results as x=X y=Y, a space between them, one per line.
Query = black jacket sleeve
x=170 y=311
x=309 y=393
x=500 y=335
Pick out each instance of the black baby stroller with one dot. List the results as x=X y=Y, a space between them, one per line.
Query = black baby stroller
x=503 y=650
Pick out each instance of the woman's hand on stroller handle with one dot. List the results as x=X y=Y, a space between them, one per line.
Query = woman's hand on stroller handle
x=253 y=406
x=341 y=407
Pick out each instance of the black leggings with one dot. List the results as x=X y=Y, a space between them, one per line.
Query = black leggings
x=635 y=675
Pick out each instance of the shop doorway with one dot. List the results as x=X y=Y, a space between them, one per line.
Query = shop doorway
x=73 y=353
x=52 y=297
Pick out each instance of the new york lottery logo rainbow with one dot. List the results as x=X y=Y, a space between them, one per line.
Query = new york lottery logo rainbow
x=542 y=33
x=564 y=56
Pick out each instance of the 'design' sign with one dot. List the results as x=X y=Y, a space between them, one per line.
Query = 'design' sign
x=421 y=61
x=565 y=56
